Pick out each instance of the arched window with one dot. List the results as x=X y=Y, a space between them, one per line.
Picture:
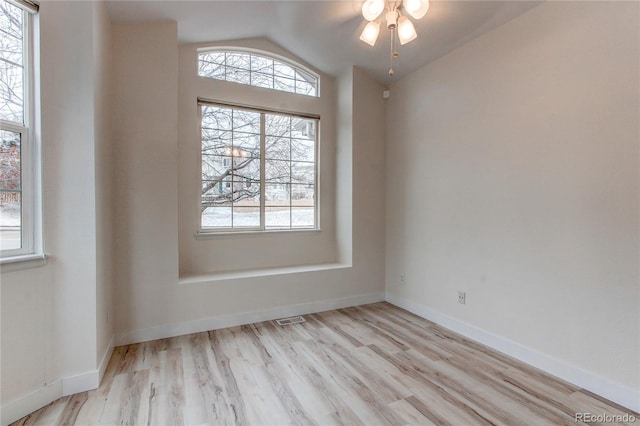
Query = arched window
x=257 y=69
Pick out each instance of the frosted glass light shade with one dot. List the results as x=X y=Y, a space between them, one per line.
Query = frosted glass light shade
x=416 y=8
x=371 y=9
x=370 y=33
x=406 y=31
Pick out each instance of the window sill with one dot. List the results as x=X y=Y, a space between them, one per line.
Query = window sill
x=252 y=233
x=255 y=273
x=23 y=262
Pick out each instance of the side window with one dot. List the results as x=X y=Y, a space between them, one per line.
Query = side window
x=17 y=142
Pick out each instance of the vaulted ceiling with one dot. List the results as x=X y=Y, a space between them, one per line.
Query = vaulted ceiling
x=325 y=33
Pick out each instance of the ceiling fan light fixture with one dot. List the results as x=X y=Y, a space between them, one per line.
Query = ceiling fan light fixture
x=416 y=8
x=392 y=19
x=371 y=9
x=396 y=19
x=370 y=33
x=406 y=30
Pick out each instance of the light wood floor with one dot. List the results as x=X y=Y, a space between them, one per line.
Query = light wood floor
x=372 y=365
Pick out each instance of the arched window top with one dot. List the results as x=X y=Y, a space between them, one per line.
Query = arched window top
x=257 y=68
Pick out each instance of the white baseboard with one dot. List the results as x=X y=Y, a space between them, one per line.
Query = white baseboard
x=232 y=320
x=37 y=399
x=31 y=402
x=89 y=380
x=106 y=358
x=620 y=394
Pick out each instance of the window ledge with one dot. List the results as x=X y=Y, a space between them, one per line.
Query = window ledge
x=23 y=261
x=252 y=233
x=254 y=273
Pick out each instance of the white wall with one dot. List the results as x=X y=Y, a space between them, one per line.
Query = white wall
x=104 y=181
x=512 y=174
x=50 y=339
x=152 y=300
x=145 y=108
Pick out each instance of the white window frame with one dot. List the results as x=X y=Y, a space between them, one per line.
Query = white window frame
x=260 y=229
x=30 y=187
x=263 y=54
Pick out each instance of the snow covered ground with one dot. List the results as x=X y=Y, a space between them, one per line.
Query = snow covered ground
x=275 y=218
x=9 y=226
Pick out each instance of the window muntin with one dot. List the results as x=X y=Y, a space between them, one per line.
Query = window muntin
x=258 y=170
x=17 y=152
x=257 y=70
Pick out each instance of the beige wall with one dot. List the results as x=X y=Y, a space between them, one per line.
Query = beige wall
x=50 y=329
x=104 y=180
x=512 y=174
x=145 y=123
x=151 y=300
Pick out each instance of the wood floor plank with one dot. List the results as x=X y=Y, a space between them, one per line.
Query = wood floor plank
x=410 y=414
x=368 y=365
x=167 y=381
x=328 y=400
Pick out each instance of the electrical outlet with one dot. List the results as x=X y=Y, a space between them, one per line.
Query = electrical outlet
x=402 y=281
x=462 y=297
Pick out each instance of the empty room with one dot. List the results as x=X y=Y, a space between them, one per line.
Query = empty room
x=353 y=212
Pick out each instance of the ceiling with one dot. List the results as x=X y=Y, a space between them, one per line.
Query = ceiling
x=325 y=33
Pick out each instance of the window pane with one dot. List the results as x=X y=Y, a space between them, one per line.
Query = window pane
x=246 y=145
x=277 y=171
x=302 y=195
x=262 y=65
x=10 y=191
x=277 y=217
x=11 y=66
x=216 y=117
x=216 y=193
x=246 y=121
x=246 y=217
x=302 y=217
x=303 y=173
x=238 y=60
x=284 y=84
x=302 y=128
x=11 y=27
x=304 y=88
x=10 y=156
x=284 y=70
x=277 y=194
x=11 y=92
x=216 y=142
x=10 y=221
x=238 y=76
x=247 y=173
x=210 y=68
x=277 y=125
x=277 y=148
x=216 y=217
x=303 y=150
x=262 y=80
x=214 y=167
